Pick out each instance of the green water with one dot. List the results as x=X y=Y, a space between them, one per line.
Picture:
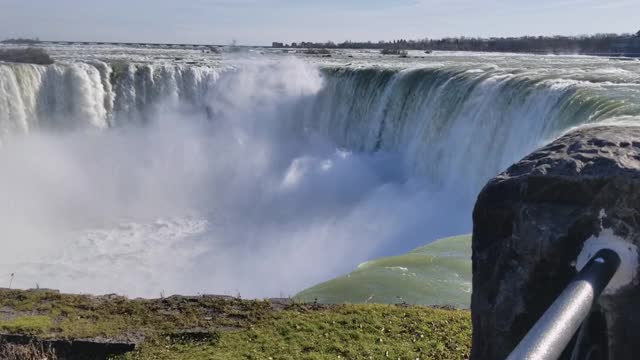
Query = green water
x=436 y=274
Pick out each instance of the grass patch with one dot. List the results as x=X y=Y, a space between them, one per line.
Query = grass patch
x=27 y=325
x=79 y=316
x=347 y=332
x=209 y=327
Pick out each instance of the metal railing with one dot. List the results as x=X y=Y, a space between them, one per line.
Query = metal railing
x=549 y=337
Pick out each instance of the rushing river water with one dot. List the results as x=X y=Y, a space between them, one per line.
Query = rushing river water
x=146 y=171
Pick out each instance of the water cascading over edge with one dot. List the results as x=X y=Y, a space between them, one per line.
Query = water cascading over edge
x=296 y=162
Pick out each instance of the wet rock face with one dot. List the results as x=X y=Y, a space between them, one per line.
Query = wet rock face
x=530 y=223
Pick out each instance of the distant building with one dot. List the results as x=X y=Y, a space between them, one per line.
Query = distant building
x=277 y=45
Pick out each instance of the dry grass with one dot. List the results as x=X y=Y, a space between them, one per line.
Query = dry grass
x=25 y=352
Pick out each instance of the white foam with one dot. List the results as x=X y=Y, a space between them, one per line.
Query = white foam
x=400 y=268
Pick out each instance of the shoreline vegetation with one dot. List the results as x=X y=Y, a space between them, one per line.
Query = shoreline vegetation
x=37 y=323
x=602 y=44
x=598 y=44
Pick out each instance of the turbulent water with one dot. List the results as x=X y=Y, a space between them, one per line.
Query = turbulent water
x=147 y=172
x=436 y=274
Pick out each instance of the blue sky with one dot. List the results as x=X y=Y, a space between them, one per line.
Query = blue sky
x=258 y=22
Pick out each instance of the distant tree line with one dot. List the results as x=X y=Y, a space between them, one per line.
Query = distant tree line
x=586 y=44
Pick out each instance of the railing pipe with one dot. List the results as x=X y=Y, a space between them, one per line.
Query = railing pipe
x=550 y=336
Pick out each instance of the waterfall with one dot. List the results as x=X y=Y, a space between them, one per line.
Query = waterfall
x=456 y=126
x=95 y=95
x=438 y=118
x=262 y=177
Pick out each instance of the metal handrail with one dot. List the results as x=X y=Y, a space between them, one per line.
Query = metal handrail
x=549 y=337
